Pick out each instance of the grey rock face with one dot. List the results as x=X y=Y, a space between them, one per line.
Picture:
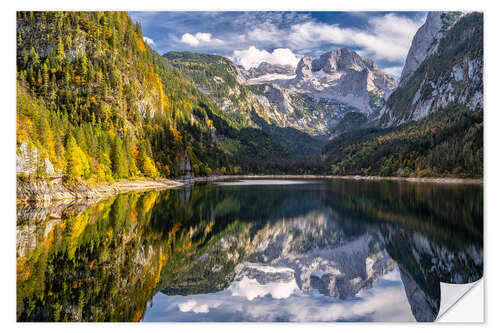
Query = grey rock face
x=54 y=189
x=459 y=81
x=338 y=60
x=304 y=69
x=342 y=73
x=266 y=68
x=184 y=164
x=29 y=161
x=339 y=77
x=426 y=41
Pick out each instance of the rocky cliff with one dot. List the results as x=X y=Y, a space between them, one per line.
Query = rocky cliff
x=312 y=98
x=323 y=90
x=30 y=162
x=426 y=40
x=266 y=71
x=444 y=66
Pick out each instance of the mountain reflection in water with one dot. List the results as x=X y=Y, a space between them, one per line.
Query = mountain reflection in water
x=340 y=250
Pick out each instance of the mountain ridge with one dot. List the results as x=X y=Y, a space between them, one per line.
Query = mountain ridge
x=97 y=104
x=450 y=72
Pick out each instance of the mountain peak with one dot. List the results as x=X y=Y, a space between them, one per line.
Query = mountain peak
x=343 y=72
x=426 y=40
x=269 y=68
x=265 y=69
x=304 y=67
x=338 y=60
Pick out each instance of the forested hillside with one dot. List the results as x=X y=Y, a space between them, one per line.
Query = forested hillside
x=454 y=73
x=218 y=78
x=94 y=102
x=447 y=143
x=436 y=116
x=221 y=81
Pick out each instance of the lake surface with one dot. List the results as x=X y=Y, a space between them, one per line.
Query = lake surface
x=251 y=250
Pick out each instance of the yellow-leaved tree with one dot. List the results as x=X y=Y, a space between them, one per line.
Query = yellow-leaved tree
x=149 y=168
x=77 y=162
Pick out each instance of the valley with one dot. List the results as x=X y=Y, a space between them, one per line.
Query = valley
x=96 y=104
x=247 y=166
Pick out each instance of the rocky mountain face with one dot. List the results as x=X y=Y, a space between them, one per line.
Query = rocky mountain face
x=30 y=162
x=266 y=71
x=320 y=256
x=426 y=40
x=322 y=91
x=227 y=86
x=444 y=66
x=342 y=73
x=312 y=98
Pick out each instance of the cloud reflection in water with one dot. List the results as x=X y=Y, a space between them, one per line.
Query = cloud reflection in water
x=246 y=300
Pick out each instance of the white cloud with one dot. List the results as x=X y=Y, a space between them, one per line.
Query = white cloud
x=384 y=302
x=390 y=37
x=386 y=37
x=200 y=38
x=266 y=32
x=252 y=57
x=393 y=71
x=148 y=40
x=193 y=306
x=252 y=289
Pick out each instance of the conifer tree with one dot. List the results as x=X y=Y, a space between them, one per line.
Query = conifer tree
x=119 y=160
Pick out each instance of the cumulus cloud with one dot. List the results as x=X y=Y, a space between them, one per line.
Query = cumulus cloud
x=391 y=36
x=148 y=41
x=252 y=57
x=252 y=289
x=393 y=71
x=387 y=301
x=199 y=39
x=193 y=306
x=386 y=37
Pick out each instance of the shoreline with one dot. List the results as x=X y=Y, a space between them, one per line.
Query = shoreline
x=40 y=192
x=435 y=180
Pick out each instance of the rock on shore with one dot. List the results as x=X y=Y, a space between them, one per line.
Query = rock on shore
x=56 y=189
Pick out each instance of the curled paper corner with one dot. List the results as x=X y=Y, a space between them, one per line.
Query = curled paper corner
x=457 y=306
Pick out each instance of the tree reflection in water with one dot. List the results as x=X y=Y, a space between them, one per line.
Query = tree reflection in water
x=106 y=261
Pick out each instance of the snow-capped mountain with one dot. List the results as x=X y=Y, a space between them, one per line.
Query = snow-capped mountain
x=342 y=74
x=339 y=271
x=267 y=72
x=321 y=91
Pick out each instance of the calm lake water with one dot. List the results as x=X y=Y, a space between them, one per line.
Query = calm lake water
x=251 y=250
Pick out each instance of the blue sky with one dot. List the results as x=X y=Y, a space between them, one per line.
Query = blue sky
x=249 y=38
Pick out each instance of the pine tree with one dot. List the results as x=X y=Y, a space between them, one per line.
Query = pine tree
x=60 y=51
x=45 y=78
x=119 y=160
x=36 y=59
